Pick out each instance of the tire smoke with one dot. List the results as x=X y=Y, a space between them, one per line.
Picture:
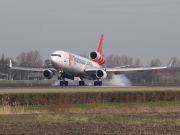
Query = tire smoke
x=115 y=80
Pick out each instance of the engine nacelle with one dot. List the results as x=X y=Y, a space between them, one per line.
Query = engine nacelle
x=48 y=74
x=101 y=74
x=97 y=57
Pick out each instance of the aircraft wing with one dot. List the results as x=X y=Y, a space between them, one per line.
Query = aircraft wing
x=123 y=70
x=127 y=70
x=130 y=70
x=29 y=69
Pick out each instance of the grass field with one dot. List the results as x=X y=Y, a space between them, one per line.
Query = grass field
x=60 y=123
x=109 y=118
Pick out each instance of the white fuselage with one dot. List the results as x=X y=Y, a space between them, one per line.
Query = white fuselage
x=64 y=61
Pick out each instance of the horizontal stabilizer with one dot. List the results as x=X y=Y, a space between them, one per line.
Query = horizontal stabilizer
x=171 y=63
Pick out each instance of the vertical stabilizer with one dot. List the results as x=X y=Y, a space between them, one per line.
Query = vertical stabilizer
x=97 y=55
x=10 y=63
x=99 y=49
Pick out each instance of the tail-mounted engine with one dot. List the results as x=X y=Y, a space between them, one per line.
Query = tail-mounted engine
x=97 y=57
x=48 y=74
x=101 y=74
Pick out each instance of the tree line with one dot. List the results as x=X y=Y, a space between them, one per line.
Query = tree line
x=25 y=59
x=34 y=59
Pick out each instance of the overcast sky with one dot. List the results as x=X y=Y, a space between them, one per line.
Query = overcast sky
x=144 y=29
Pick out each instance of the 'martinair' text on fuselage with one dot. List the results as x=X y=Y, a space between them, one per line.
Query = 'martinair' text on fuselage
x=79 y=60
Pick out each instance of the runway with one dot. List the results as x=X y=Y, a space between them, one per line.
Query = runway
x=64 y=89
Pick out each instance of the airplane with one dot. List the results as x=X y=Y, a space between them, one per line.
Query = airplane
x=66 y=65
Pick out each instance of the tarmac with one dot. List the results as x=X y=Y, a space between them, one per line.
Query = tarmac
x=58 y=89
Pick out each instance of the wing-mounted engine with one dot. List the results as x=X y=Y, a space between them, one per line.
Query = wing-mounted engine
x=48 y=74
x=101 y=74
x=97 y=57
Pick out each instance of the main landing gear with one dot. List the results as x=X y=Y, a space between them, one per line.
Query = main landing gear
x=62 y=82
x=81 y=83
x=97 y=83
x=65 y=83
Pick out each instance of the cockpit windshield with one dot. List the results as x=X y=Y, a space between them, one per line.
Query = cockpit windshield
x=59 y=55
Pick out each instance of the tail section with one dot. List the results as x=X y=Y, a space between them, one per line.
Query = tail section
x=99 y=49
x=97 y=56
x=10 y=63
x=171 y=63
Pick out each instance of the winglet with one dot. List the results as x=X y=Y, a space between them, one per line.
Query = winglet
x=99 y=49
x=10 y=63
x=171 y=63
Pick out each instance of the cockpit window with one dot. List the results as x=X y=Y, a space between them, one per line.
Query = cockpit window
x=59 y=55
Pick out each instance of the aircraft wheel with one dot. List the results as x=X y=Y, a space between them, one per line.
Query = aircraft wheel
x=100 y=83
x=61 y=83
x=66 y=83
x=80 y=83
x=95 y=83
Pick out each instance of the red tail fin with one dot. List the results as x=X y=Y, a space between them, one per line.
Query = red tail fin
x=97 y=56
x=99 y=49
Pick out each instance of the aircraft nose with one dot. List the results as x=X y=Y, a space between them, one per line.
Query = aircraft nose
x=53 y=60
